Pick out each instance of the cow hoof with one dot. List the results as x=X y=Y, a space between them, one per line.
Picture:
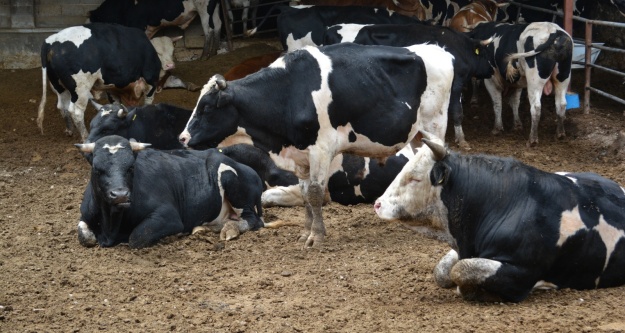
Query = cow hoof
x=531 y=143
x=199 y=230
x=314 y=242
x=496 y=131
x=193 y=87
x=518 y=127
x=464 y=145
x=86 y=237
x=230 y=231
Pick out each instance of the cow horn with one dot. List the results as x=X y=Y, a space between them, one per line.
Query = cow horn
x=86 y=147
x=503 y=4
x=136 y=146
x=220 y=81
x=95 y=104
x=486 y=41
x=438 y=150
x=122 y=112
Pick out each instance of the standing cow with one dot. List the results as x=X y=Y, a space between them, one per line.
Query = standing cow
x=512 y=227
x=309 y=106
x=152 y=15
x=84 y=61
x=537 y=56
x=140 y=196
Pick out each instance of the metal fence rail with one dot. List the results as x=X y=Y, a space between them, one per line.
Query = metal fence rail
x=226 y=9
x=588 y=65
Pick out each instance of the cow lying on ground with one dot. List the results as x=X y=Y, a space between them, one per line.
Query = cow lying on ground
x=313 y=108
x=537 y=56
x=84 y=61
x=140 y=196
x=512 y=227
x=470 y=56
x=353 y=180
x=153 y=15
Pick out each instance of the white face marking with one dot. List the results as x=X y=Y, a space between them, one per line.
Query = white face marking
x=113 y=149
x=411 y=195
x=212 y=82
x=105 y=112
x=76 y=35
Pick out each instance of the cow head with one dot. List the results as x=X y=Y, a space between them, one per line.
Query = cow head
x=164 y=47
x=111 y=119
x=214 y=117
x=414 y=196
x=112 y=171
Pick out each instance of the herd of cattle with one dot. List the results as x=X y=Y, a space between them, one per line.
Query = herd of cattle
x=304 y=126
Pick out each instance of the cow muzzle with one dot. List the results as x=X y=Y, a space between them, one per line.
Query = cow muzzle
x=120 y=197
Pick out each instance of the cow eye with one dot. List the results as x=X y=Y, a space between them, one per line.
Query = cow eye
x=415 y=180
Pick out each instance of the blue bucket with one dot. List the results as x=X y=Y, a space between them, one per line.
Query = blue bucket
x=572 y=100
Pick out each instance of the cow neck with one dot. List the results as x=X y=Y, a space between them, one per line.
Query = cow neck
x=111 y=222
x=261 y=119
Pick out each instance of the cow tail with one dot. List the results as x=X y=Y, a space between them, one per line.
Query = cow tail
x=269 y=12
x=44 y=81
x=511 y=68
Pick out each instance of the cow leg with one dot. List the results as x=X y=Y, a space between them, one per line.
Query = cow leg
x=443 y=269
x=77 y=111
x=515 y=101
x=560 y=97
x=457 y=114
x=86 y=237
x=475 y=84
x=486 y=280
x=495 y=95
x=63 y=102
x=161 y=223
x=534 y=96
x=314 y=192
x=211 y=36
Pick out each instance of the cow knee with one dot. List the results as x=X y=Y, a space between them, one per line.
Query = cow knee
x=86 y=237
x=443 y=269
x=470 y=276
x=315 y=194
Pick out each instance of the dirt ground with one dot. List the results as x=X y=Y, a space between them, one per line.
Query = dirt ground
x=371 y=276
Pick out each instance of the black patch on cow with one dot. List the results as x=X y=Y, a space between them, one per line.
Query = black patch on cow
x=352 y=136
x=529 y=46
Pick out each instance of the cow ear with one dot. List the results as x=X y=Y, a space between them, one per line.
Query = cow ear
x=136 y=146
x=86 y=147
x=223 y=99
x=438 y=175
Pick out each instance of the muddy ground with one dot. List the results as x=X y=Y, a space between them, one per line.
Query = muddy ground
x=371 y=276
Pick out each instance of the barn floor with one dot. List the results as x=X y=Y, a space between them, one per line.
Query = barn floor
x=371 y=276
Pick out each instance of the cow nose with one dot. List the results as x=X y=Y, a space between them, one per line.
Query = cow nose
x=170 y=66
x=184 y=139
x=119 y=195
x=377 y=206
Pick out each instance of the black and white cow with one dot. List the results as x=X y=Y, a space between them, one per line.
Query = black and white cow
x=512 y=227
x=86 y=60
x=300 y=26
x=140 y=196
x=152 y=15
x=470 y=56
x=536 y=56
x=353 y=180
x=313 y=108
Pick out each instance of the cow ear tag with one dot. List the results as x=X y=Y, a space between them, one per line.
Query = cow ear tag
x=221 y=151
x=134 y=117
x=477 y=51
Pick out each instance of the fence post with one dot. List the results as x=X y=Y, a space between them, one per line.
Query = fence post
x=587 y=68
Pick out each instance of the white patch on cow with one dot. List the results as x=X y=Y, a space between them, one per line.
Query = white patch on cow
x=432 y=113
x=302 y=6
x=349 y=31
x=565 y=174
x=296 y=44
x=278 y=63
x=570 y=223
x=623 y=188
x=212 y=82
x=408 y=105
x=105 y=112
x=610 y=237
x=286 y=196
x=367 y=169
x=76 y=35
x=357 y=191
x=443 y=269
x=113 y=149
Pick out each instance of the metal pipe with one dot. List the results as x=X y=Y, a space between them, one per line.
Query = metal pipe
x=587 y=60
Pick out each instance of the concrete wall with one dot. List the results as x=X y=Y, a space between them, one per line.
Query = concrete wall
x=25 y=24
